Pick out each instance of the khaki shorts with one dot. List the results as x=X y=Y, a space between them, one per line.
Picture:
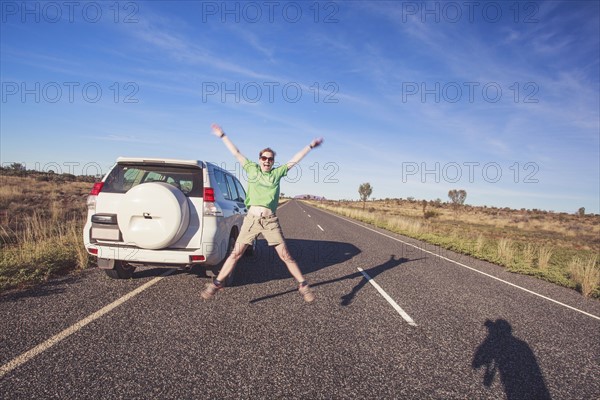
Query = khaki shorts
x=254 y=226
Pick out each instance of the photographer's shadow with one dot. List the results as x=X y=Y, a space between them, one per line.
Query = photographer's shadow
x=513 y=360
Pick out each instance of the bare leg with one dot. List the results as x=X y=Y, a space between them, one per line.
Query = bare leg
x=290 y=263
x=234 y=257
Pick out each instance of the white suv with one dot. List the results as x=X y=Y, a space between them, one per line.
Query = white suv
x=163 y=212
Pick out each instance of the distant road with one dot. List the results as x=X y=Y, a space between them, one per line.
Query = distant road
x=394 y=318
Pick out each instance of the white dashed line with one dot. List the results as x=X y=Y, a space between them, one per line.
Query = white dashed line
x=321 y=228
x=28 y=355
x=386 y=296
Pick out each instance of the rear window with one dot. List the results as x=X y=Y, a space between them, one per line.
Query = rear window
x=125 y=176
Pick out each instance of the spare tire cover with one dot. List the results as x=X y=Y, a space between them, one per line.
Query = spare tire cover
x=153 y=215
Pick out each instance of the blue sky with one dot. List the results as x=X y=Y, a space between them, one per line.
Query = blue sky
x=500 y=99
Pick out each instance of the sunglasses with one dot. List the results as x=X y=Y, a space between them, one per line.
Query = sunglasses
x=263 y=158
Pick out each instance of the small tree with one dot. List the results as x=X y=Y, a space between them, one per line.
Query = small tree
x=365 y=190
x=581 y=211
x=457 y=197
x=427 y=214
x=17 y=169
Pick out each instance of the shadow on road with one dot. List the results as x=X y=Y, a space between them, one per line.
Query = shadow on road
x=371 y=272
x=349 y=297
x=50 y=288
x=513 y=360
x=311 y=256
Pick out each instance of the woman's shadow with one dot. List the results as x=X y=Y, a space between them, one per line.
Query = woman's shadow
x=311 y=256
x=371 y=273
x=513 y=359
x=347 y=299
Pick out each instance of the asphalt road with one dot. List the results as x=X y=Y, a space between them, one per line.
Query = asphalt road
x=429 y=324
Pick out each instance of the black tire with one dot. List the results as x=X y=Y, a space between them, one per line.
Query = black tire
x=121 y=270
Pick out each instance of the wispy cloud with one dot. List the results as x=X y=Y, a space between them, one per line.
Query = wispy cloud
x=253 y=40
x=173 y=44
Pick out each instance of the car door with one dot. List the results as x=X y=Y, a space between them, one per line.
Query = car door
x=241 y=195
x=238 y=198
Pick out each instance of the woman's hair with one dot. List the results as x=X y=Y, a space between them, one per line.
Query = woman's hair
x=270 y=150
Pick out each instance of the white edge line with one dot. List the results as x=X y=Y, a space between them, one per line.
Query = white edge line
x=471 y=268
x=382 y=292
x=40 y=348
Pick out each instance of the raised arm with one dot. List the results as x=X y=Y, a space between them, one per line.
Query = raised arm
x=300 y=155
x=218 y=131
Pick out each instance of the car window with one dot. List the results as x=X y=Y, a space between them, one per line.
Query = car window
x=240 y=190
x=222 y=184
x=125 y=176
x=234 y=193
x=153 y=177
x=181 y=182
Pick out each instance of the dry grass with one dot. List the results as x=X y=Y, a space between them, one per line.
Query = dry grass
x=586 y=274
x=480 y=243
x=531 y=242
x=567 y=229
x=506 y=251
x=544 y=255
x=9 y=193
x=41 y=233
x=528 y=255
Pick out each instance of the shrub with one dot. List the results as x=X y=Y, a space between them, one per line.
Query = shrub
x=528 y=255
x=480 y=243
x=430 y=214
x=506 y=252
x=544 y=254
x=585 y=274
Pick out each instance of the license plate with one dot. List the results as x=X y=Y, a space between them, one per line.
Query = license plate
x=101 y=233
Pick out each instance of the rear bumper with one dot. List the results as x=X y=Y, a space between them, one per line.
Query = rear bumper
x=209 y=253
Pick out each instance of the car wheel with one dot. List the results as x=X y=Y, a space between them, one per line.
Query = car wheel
x=153 y=215
x=121 y=270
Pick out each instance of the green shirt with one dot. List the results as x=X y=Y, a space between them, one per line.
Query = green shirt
x=263 y=187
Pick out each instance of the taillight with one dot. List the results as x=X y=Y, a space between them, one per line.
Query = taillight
x=96 y=189
x=210 y=206
x=209 y=194
x=91 y=200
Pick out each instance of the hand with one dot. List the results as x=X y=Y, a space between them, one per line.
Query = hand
x=217 y=130
x=316 y=142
